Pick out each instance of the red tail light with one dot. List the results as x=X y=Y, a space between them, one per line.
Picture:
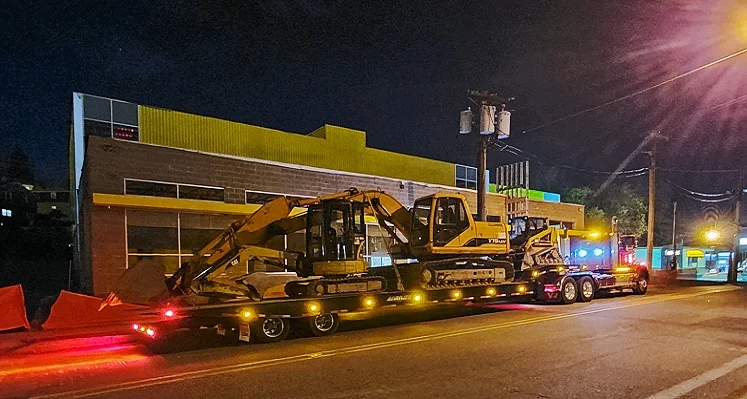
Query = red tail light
x=551 y=288
x=169 y=313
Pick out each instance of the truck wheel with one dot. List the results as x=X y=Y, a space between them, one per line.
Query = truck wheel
x=324 y=324
x=272 y=329
x=568 y=291
x=641 y=285
x=585 y=289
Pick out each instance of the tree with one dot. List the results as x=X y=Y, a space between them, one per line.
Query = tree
x=578 y=195
x=617 y=200
x=18 y=167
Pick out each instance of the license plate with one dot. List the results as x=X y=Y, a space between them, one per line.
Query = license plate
x=221 y=331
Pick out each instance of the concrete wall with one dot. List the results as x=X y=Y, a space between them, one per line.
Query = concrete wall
x=108 y=252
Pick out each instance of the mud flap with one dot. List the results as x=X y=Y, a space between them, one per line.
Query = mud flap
x=244 y=332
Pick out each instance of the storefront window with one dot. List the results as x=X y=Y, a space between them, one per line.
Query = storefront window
x=201 y=193
x=153 y=189
x=153 y=234
x=197 y=230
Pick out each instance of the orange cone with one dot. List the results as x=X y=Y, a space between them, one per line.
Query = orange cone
x=13 y=308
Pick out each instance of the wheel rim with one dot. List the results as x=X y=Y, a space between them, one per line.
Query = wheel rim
x=587 y=288
x=272 y=328
x=642 y=284
x=569 y=291
x=324 y=322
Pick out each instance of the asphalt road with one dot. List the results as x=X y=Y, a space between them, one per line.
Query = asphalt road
x=686 y=342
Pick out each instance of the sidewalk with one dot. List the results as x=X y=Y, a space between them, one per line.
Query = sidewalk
x=663 y=278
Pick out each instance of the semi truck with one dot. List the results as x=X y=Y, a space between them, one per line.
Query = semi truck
x=440 y=255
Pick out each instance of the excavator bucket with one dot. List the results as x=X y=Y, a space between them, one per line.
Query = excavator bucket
x=140 y=284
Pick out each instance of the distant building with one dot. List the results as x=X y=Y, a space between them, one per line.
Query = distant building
x=51 y=200
x=17 y=205
x=151 y=181
x=697 y=263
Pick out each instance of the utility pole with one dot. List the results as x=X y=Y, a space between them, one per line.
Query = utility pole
x=482 y=167
x=487 y=123
x=651 y=206
x=731 y=276
x=674 y=237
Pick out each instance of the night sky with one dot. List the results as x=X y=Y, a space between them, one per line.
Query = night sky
x=398 y=71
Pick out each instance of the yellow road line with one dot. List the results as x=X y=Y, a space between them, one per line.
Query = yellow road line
x=189 y=375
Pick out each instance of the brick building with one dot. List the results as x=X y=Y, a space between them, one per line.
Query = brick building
x=149 y=181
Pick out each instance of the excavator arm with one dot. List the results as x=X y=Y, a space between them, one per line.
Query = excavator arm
x=242 y=239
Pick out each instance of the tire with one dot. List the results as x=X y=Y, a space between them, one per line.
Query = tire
x=585 y=289
x=324 y=324
x=272 y=329
x=641 y=285
x=568 y=291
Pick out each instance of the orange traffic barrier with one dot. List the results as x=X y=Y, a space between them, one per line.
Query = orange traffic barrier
x=13 y=308
x=73 y=310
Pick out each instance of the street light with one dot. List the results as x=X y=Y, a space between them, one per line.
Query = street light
x=712 y=235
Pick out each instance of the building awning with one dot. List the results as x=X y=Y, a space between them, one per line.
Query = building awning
x=694 y=253
x=187 y=205
x=177 y=204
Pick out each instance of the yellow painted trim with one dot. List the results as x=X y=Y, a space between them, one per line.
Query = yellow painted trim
x=177 y=204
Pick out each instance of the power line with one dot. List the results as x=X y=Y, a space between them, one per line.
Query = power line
x=700 y=171
x=730 y=102
x=639 y=92
x=531 y=157
x=624 y=173
x=709 y=197
x=708 y=201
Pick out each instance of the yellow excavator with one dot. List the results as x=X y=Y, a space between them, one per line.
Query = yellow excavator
x=435 y=244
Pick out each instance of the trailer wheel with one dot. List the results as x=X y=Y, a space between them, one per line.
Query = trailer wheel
x=641 y=285
x=324 y=324
x=568 y=291
x=585 y=289
x=271 y=329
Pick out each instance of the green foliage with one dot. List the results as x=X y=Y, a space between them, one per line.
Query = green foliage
x=577 y=195
x=617 y=200
x=596 y=219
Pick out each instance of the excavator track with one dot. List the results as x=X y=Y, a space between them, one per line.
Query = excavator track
x=459 y=272
x=332 y=286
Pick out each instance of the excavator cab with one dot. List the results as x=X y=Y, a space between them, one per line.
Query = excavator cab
x=335 y=238
x=439 y=220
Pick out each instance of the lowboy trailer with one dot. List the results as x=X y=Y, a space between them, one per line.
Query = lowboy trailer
x=272 y=320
